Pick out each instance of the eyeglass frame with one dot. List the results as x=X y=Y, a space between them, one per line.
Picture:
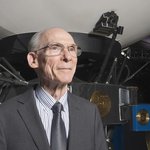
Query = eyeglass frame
x=49 y=45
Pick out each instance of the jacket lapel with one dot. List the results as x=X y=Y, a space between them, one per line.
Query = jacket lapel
x=29 y=114
x=74 y=117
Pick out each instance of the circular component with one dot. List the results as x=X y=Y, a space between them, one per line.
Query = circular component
x=143 y=117
x=103 y=102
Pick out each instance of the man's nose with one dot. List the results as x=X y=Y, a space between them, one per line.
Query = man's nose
x=66 y=54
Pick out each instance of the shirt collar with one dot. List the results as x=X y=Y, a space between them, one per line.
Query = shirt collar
x=47 y=100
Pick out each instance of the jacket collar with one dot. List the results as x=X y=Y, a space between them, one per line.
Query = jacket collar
x=29 y=114
x=74 y=117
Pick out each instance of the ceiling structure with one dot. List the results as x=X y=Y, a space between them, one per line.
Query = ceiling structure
x=19 y=16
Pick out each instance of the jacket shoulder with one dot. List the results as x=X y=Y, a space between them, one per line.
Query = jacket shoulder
x=11 y=103
x=81 y=101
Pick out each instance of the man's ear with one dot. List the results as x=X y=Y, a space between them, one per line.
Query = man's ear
x=32 y=60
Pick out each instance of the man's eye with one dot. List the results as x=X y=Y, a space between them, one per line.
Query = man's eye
x=71 y=48
x=55 y=47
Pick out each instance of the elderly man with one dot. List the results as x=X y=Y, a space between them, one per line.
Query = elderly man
x=47 y=116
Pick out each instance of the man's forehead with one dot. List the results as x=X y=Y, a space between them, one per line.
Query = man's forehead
x=56 y=36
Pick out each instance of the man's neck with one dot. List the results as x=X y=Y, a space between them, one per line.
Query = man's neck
x=56 y=91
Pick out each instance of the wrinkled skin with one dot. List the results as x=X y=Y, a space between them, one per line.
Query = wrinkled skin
x=54 y=72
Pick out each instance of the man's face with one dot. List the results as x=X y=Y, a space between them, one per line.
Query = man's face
x=57 y=69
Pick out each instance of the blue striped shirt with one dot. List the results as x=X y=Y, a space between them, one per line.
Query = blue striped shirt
x=44 y=103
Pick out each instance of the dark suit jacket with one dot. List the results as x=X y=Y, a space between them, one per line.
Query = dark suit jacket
x=21 y=127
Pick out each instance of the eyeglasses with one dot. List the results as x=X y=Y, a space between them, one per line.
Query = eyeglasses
x=55 y=49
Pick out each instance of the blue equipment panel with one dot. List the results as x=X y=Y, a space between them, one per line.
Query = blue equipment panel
x=140 y=117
